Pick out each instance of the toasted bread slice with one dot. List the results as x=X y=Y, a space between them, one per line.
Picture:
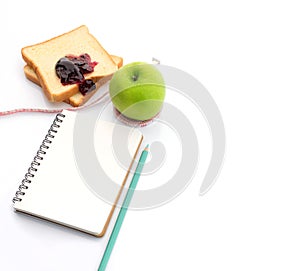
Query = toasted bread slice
x=31 y=75
x=43 y=57
x=77 y=99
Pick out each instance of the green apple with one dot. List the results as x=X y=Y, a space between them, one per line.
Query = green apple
x=137 y=90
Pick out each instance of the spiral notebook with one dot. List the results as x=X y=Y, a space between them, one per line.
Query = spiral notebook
x=61 y=186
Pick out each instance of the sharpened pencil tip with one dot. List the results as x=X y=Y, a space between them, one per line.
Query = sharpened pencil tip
x=146 y=148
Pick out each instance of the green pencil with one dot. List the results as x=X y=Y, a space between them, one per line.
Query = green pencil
x=122 y=213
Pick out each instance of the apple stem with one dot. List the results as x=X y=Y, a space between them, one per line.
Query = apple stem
x=134 y=77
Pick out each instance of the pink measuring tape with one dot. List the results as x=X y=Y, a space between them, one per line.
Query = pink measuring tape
x=45 y=110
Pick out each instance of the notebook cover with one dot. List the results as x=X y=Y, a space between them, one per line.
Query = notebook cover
x=59 y=193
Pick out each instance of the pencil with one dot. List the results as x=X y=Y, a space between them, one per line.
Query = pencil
x=122 y=213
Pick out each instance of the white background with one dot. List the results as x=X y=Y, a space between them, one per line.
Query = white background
x=246 y=53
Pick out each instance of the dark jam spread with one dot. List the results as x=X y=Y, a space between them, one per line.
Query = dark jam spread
x=86 y=86
x=83 y=62
x=71 y=69
x=68 y=72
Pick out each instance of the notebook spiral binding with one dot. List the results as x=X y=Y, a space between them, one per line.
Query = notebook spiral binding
x=39 y=156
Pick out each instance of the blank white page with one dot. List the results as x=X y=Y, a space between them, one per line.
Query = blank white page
x=61 y=194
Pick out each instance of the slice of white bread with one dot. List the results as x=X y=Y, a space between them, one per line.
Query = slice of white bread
x=77 y=99
x=43 y=57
